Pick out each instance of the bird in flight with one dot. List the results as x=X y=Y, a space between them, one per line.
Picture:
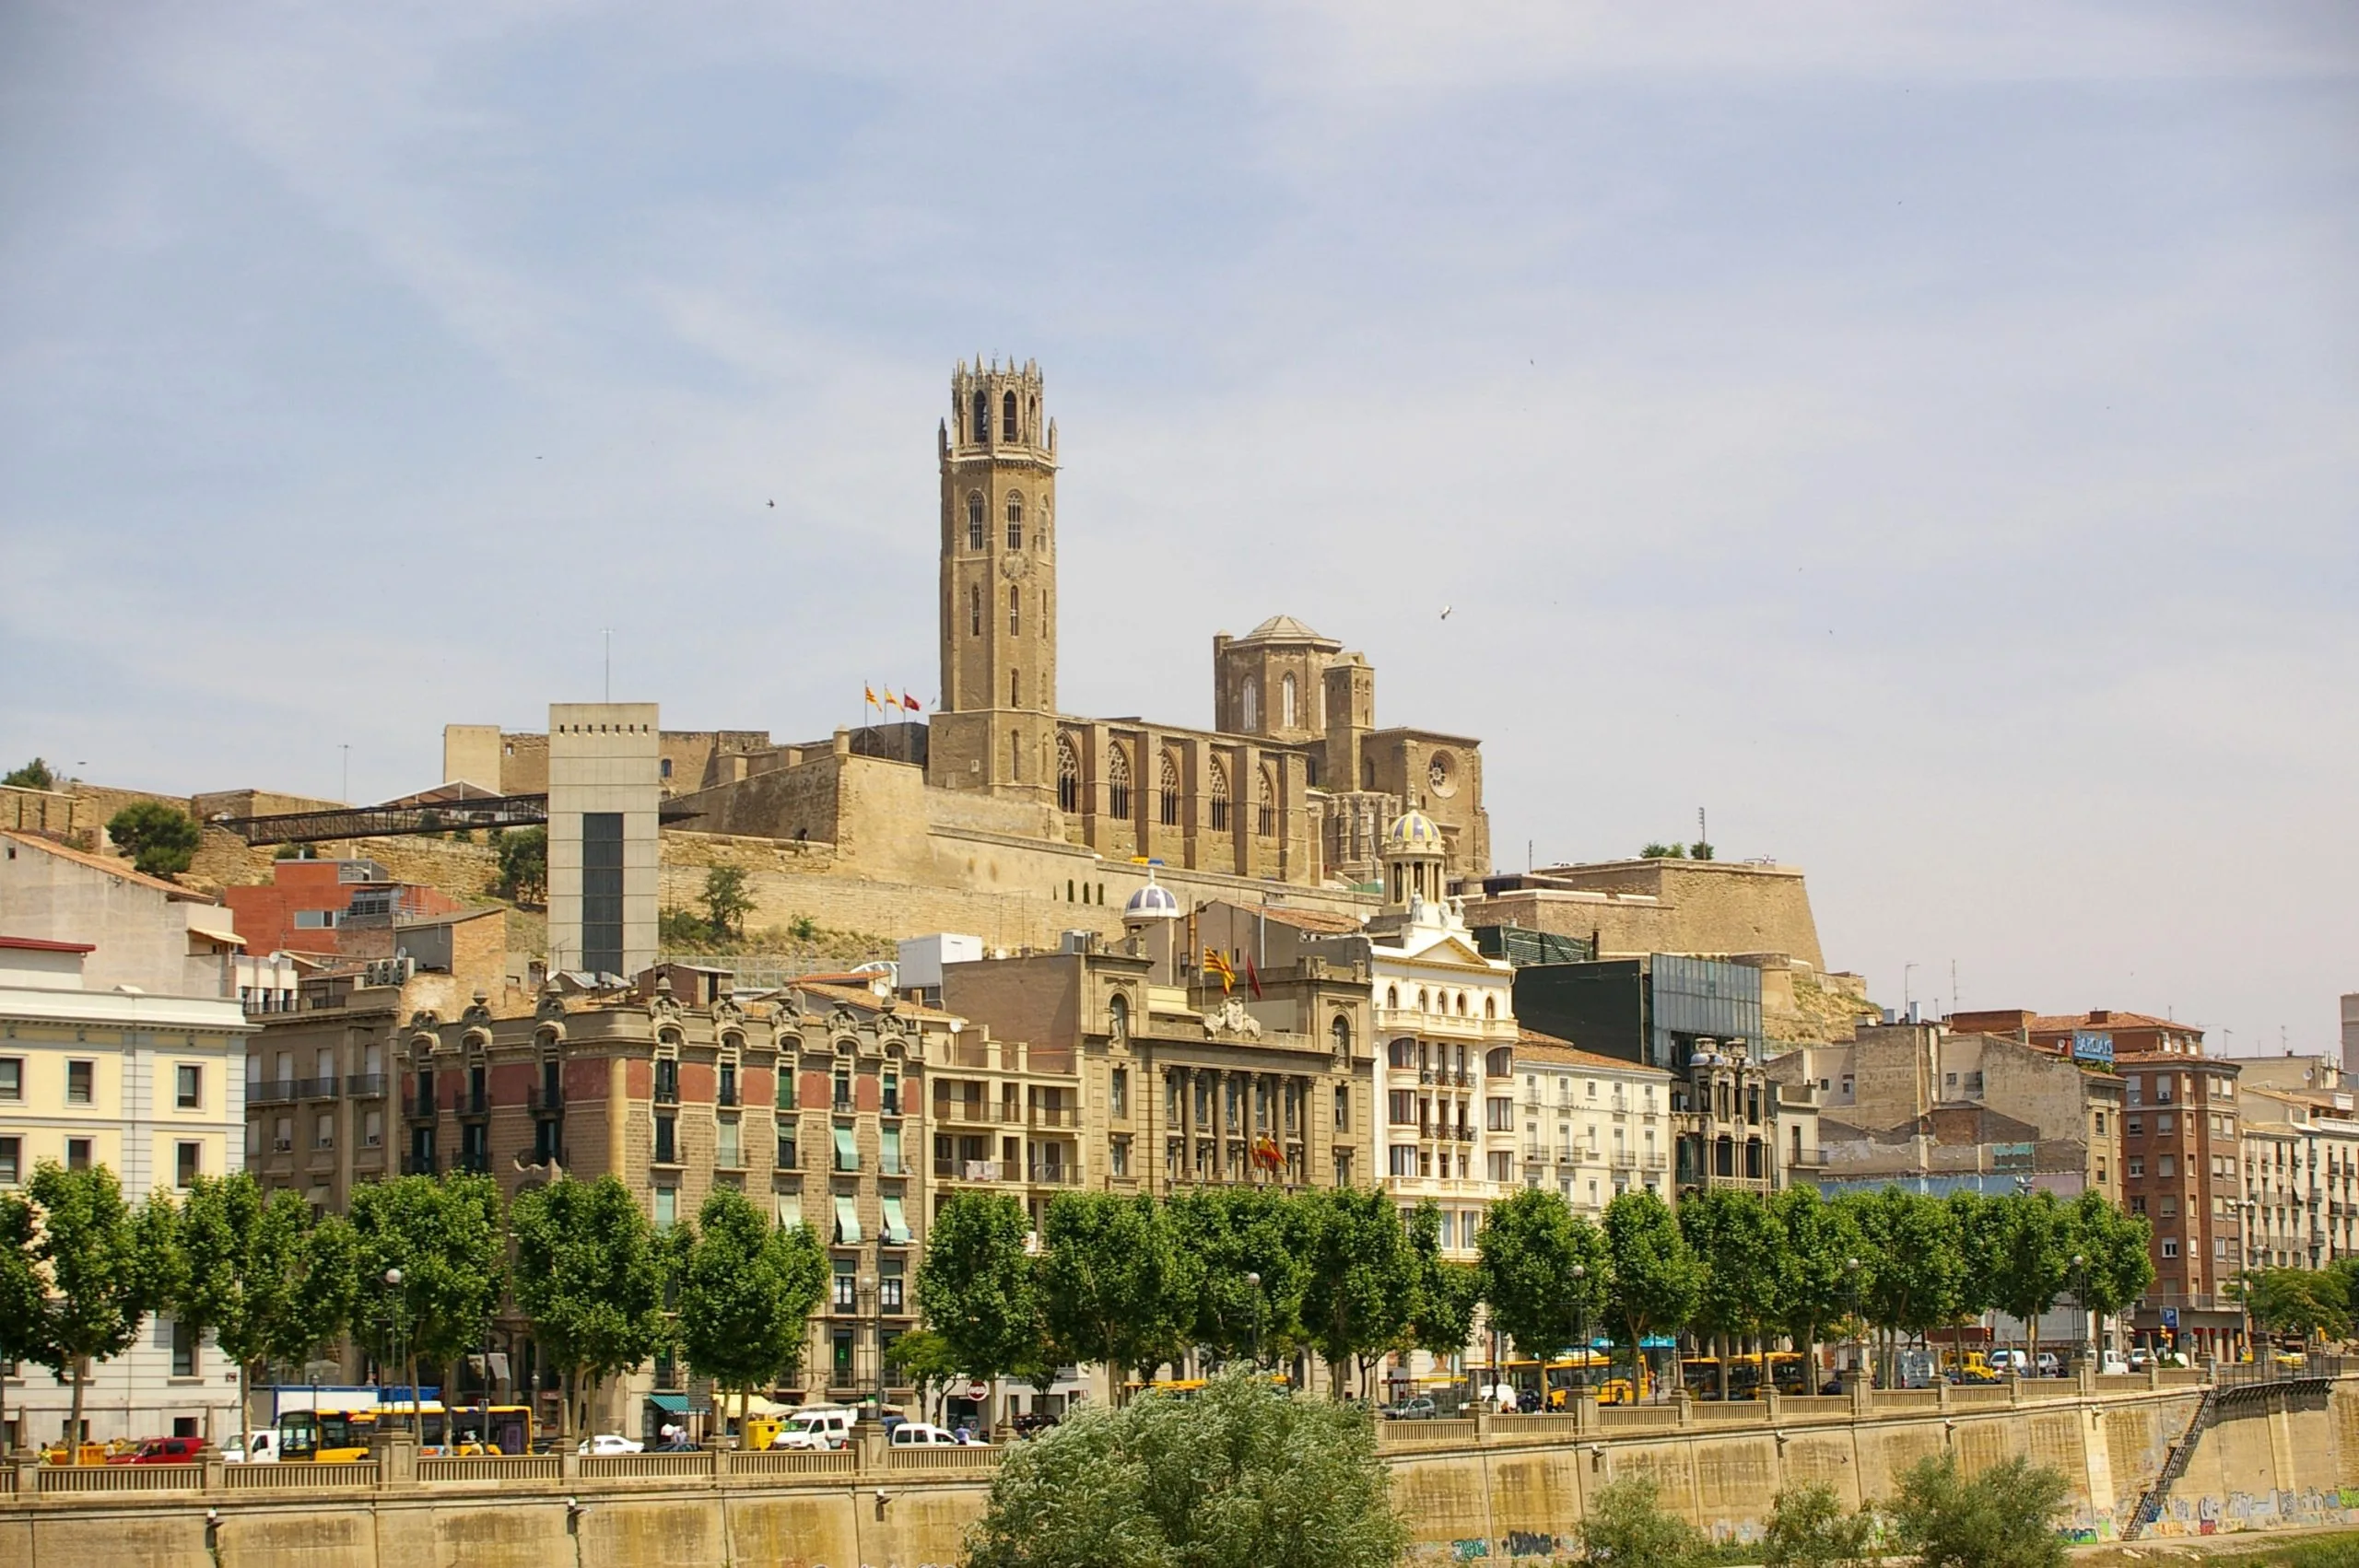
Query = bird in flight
x=1445 y=612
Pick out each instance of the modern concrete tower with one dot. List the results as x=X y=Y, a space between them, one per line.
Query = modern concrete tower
x=605 y=788
x=995 y=727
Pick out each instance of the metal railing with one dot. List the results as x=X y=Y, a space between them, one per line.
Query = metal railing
x=2245 y=1375
x=269 y=1091
x=315 y=1088
x=543 y=1098
x=364 y=1085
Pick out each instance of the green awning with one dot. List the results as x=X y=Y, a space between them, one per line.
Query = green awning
x=847 y=1219
x=896 y=1223
x=790 y=1211
x=673 y=1404
x=889 y=1140
x=847 y=1150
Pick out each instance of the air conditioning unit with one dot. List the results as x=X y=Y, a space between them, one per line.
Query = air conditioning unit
x=282 y=1145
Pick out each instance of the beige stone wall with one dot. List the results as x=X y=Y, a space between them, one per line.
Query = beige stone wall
x=1637 y=906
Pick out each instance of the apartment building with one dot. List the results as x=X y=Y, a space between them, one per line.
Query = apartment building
x=2301 y=1175
x=2182 y=1152
x=1593 y=1127
x=149 y=1086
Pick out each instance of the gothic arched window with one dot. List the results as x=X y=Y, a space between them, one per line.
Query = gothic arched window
x=1265 y=805
x=974 y=520
x=1285 y=701
x=1168 y=787
x=1015 y=755
x=1219 y=793
x=1490 y=1007
x=1118 y=781
x=1015 y=521
x=981 y=429
x=1007 y=417
x=1248 y=705
x=1014 y=611
x=975 y=611
x=1068 y=775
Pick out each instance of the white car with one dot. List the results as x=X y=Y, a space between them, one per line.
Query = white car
x=918 y=1434
x=609 y=1443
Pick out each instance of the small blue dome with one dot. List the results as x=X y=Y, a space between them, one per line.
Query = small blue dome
x=1414 y=830
x=1151 y=903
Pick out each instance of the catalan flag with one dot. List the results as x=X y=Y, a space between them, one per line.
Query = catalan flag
x=1216 y=963
x=870 y=693
x=891 y=701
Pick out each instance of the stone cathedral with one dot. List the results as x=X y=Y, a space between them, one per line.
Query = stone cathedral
x=1295 y=781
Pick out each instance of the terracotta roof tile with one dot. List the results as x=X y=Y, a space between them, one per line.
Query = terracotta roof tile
x=1311 y=920
x=2060 y=1022
x=1550 y=1051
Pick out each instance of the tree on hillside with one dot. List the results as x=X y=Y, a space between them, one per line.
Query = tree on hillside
x=161 y=840
x=86 y=1253
x=979 y=1288
x=524 y=866
x=34 y=774
x=1116 y=1286
x=589 y=1280
x=746 y=1296
x=726 y=902
x=1653 y=1277
x=1239 y=1476
x=1529 y=1243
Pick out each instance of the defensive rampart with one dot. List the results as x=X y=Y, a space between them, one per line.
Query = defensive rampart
x=1496 y=1488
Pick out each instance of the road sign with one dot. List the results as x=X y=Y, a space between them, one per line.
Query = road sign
x=2170 y=1317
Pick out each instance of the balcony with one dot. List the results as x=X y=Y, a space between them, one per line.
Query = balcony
x=474 y=1103
x=1652 y=1160
x=424 y=1108
x=546 y=1100
x=315 y=1088
x=475 y=1163
x=725 y=1095
x=1053 y=1175
x=1055 y=1116
x=417 y=1165
x=265 y=1091
x=1535 y=1154
x=1805 y=1159
x=364 y=1085
x=968 y=1170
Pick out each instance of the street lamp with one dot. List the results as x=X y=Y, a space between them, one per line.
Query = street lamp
x=1580 y=1331
x=2086 y=1330
x=1253 y=1279
x=393 y=1334
x=1859 y=1329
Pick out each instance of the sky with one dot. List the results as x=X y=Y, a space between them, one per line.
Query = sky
x=1923 y=437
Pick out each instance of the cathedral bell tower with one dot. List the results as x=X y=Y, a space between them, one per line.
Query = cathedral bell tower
x=995 y=727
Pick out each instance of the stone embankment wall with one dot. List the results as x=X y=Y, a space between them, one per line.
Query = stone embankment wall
x=1509 y=1488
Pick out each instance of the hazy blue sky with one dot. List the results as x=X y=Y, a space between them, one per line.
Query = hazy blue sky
x=1922 y=434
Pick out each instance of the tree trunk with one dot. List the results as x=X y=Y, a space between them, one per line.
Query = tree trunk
x=73 y=1421
x=2031 y=1335
x=416 y=1416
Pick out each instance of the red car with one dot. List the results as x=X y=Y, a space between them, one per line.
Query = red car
x=164 y=1451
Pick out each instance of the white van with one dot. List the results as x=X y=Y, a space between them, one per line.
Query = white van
x=2016 y=1362
x=257 y=1447
x=829 y=1428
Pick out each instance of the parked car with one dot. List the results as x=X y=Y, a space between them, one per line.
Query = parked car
x=828 y=1428
x=1418 y=1409
x=1032 y=1423
x=162 y=1451
x=921 y=1434
x=257 y=1447
x=2113 y=1365
x=1965 y=1375
x=610 y=1443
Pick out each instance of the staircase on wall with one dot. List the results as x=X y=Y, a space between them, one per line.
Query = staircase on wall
x=2150 y=1506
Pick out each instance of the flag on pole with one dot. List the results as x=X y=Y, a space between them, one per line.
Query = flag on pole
x=1253 y=976
x=1216 y=963
x=891 y=701
x=870 y=693
x=910 y=702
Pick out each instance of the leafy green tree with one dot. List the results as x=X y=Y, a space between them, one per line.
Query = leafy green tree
x=1808 y=1528
x=2116 y=1267
x=978 y=1287
x=524 y=865
x=2296 y=1301
x=254 y=1275
x=1447 y=1293
x=1239 y=1476
x=746 y=1297
x=1235 y=1236
x=1814 y=1289
x=1735 y=1237
x=726 y=902
x=1654 y=1279
x=925 y=1360
x=87 y=1251
x=1627 y=1527
x=1913 y=1267
x=1116 y=1286
x=2004 y=1517
x=162 y=841
x=34 y=774
x=24 y=1297
x=1529 y=1243
x=589 y=1280
x=2030 y=1260
x=444 y=1235
x=1361 y=1291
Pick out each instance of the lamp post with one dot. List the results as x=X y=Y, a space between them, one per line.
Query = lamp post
x=1581 y=1330
x=1859 y=1341
x=2085 y=1332
x=393 y=1334
x=1253 y=1279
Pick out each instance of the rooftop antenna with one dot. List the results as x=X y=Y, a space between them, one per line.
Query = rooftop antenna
x=1905 y=995
x=607 y=635
x=346 y=747
x=1953 y=988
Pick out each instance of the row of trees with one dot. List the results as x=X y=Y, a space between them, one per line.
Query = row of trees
x=1134 y=1283
x=416 y=1272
